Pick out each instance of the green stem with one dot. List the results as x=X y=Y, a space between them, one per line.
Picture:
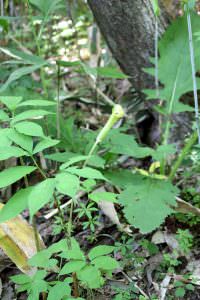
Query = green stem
x=38 y=167
x=192 y=58
x=182 y=155
x=58 y=104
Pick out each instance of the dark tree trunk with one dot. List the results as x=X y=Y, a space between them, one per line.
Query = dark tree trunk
x=128 y=27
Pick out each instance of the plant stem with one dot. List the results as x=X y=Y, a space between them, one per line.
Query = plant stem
x=58 y=104
x=38 y=167
x=37 y=239
x=156 y=57
x=192 y=140
x=193 y=73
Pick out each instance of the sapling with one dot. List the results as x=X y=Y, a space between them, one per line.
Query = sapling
x=188 y=6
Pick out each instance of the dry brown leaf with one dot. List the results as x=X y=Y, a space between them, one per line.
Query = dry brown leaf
x=17 y=241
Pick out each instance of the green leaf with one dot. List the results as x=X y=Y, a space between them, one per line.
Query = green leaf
x=30 y=114
x=67 y=184
x=41 y=260
x=180 y=292
x=163 y=151
x=41 y=194
x=86 y=173
x=25 y=142
x=91 y=276
x=4 y=116
x=174 y=64
x=105 y=263
x=121 y=143
x=44 y=144
x=22 y=56
x=103 y=196
x=156 y=7
x=147 y=202
x=72 y=266
x=15 y=205
x=11 y=175
x=110 y=72
x=47 y=6
x=59 y=291
x=11 y=151
x=29 y=128
x=37 y=103
x=100 y=250
x=74 y=252
x=61 y=157
x=4 y=140
x=10 y=101
x=20 y=72
x=73 y=160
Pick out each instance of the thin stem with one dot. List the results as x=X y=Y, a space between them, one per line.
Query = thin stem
x=182 y=155
x=156 y=57
x=193 y=73
x=38 y=167
x=167 y=128
x=25 y=177
x=58 y=104
x=37 y=239
x=2 y=8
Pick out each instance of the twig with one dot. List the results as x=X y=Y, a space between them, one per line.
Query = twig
x=135 y=284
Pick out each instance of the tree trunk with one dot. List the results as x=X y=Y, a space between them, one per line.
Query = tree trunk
x=128 y=27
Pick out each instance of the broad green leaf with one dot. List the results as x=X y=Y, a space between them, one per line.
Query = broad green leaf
x=61 y=157
x=110 y=72
x=11 y=151
x=147 y=202
x=15 y=205
x=59 y=291
x=121 y=143
x=22 y=56
x=122 y=178
x=41 y=260
x=100 y=250
x=10 y=101
x=37 y=103
x=86 y=173
x=91 y=276
x=47 y=6
x=24 y=141
x=30 y=114
x=163 y=151
x=174 y=64
x=44 y=144
x=4 y=140
x=4 y=116
x=11 y=175
x=67 y=184
x=105 y=263
x=73 y=160
x=72 y=266
x=74 y=252
x=29 y=128
x=20 y=72
x=103 y=196
x=40 y=195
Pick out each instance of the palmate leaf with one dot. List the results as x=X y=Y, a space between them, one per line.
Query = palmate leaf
x=147 y=202
x=175 y=66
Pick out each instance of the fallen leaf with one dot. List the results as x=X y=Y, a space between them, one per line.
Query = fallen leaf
x=17 y=241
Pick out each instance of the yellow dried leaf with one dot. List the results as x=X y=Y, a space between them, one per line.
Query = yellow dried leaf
x=17 y=241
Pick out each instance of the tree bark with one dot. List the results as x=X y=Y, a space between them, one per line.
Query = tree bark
x=128 y=27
